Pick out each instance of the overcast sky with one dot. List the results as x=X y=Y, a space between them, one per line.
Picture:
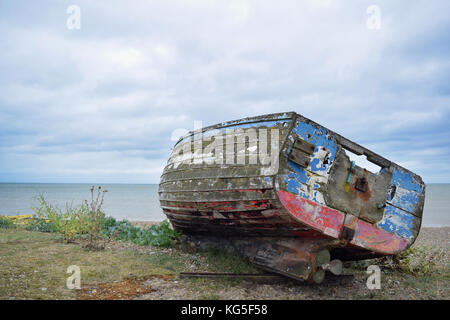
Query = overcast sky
x=99 y=104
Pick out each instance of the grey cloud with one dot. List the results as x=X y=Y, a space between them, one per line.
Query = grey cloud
x=114 y=91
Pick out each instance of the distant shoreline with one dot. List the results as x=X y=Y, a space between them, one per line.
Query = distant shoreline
x=140 y=202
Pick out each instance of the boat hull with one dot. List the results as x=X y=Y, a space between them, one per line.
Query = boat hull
x=283 y=176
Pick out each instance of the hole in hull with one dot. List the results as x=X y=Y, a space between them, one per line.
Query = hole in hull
x=362 y=162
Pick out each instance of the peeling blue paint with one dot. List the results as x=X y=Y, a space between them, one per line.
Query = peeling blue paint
x=406 y=201
x=397 y=221
x=320 y=138
x=267 y=179
x=304 y=195
x=298 y=178
x=316 y=165
x=407 y=190
x=405 y=180
x=315 y=197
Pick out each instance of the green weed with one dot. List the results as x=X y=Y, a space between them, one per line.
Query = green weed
x=417 y=260
x=157 y=235
x=6 y=223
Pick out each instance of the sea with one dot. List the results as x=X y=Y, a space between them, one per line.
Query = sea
x=139 y=202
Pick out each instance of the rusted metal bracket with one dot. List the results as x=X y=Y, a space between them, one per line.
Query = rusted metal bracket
x=300 y=259
x=347 y=234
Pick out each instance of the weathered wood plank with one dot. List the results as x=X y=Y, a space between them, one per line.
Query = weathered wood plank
x=221 y=206
x=201 y=151
x=218 y=184
x=224 y=195
x=300 y=158
x=208 y=172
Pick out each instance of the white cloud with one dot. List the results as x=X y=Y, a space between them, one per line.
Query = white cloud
x=134 y=73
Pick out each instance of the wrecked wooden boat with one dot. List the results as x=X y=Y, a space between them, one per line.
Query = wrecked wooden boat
x=283 y=191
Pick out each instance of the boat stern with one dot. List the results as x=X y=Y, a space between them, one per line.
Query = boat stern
x=324 y=189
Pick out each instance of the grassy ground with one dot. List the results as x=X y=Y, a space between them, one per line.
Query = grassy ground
x=33 y=266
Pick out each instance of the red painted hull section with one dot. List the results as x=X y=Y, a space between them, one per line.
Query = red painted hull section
x=331 y=222
x=321 y=218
